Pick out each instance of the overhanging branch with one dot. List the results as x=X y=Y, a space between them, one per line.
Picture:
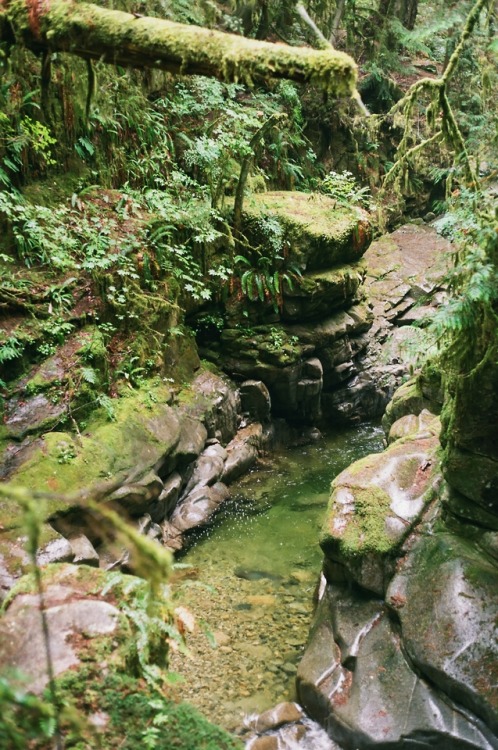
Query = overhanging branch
x=93 y=32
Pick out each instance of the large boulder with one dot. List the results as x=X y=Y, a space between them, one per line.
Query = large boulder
x=318 y=232
x=375 y=503
x=445 y=595
x=355 y=679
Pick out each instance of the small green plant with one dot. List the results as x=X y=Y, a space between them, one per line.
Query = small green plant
x=65 y=453
x=343 y=187
x=12 y=348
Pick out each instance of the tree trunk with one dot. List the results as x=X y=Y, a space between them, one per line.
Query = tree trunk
x=405 y=10
x=93 y=32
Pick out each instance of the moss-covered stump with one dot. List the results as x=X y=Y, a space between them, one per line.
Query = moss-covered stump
x=94 y=655
x=445 y=594
x=373 y=506
x=318 y=233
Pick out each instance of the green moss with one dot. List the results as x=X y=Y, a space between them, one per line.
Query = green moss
x=94 y=31
x=145 y=429
x=136 y=712
x=365 y=530
x=319 y=232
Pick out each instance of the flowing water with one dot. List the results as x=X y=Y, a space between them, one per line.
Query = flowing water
x=253 y=578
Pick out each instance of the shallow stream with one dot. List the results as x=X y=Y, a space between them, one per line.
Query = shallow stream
x=253 y=577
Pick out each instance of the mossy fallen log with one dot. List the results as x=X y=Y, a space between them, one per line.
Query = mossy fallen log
x=94 y=32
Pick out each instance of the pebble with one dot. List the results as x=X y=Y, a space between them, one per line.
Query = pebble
x=259 y=635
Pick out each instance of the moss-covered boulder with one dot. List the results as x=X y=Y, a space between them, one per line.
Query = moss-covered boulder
x=315 y=295
x=373 y=506
x=409 y=398
x=94 y=657
x=318 y=233
x=143 y=433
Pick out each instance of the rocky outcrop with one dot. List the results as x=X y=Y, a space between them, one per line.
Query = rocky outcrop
x=167 y=457
x=402 y=651
x=361 y=319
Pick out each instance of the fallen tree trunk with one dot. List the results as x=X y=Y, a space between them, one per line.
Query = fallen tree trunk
x=93 y=32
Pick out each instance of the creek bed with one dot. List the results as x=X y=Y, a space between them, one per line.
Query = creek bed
x=252 y=579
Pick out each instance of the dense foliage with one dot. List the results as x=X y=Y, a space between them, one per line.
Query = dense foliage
x=118 y=198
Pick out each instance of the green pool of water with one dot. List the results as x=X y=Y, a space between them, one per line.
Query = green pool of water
x=272 y=523
x=256 y=570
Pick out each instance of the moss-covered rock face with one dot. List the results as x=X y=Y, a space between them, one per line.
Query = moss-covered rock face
x=143 y=434
x=318 y=232
x=316 y=295
x=93 y=648
x=374 y=505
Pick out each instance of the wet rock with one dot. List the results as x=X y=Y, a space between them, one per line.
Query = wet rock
x=381 y=703
x=242 y=452
x=408 y=399
x=283 y=713
x=168 y=498
x=255 y=400
x=197 y=508
x=193 y=436
x=206 y=470
x=373 y=506
x=359 y=398
x=138 y=497
x=83 y=550
x=69 y=614
x=171 y=536
x=445 y=594
x=411 y=424
x=270 y=742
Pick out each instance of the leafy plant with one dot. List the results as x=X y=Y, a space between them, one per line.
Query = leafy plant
x=262 y=281
x=344 y=188
x=12 y=348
